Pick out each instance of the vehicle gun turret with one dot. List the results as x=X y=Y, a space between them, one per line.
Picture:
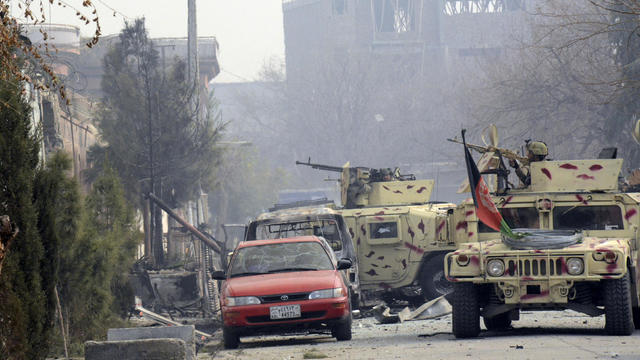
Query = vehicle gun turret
x=506 y=153
x=364 y=186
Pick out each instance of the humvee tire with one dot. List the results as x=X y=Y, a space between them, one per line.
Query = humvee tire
x=617 y=306
x=466 y=310
x=230 y=339
x=498 y=322
x=433 y=282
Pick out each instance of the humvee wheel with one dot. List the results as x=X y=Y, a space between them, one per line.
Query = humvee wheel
x=466 y=311
x=617 y=306
x=432 y=279
x=498 y=322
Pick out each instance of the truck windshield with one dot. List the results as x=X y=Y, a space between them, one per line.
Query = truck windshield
x=280 y=257
x=327 y=229
x=523 y=217
x=607 y=217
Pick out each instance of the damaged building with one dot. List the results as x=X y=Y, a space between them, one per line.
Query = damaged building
x=397 y=70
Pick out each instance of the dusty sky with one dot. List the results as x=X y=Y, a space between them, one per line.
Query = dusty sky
x=249 y=31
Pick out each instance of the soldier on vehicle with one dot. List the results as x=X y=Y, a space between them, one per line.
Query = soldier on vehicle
x=536 y=151
x=387 y=174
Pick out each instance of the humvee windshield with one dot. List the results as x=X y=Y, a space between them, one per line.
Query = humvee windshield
x=524 y=217
x=608 y=217
x=328 y=229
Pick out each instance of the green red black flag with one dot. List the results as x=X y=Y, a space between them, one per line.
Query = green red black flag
x=486 y=210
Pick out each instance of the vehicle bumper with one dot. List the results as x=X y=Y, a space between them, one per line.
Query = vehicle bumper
x=315 y=314
x=522 y=285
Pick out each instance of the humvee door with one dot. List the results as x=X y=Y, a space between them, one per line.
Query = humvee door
x=383 y=257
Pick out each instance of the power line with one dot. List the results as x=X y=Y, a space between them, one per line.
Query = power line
x=236 y=75
x=114 y=10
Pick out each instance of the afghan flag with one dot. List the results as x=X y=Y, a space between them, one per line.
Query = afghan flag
x=485 y=208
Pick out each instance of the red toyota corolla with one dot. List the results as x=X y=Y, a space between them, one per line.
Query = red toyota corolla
x=284 y=286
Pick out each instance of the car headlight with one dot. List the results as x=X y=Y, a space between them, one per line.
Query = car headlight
x=495 y=267
x=326 y=294
x=575 y=266
x=242 y=300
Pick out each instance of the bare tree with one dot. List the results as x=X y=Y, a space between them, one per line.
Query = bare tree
x=572 y=83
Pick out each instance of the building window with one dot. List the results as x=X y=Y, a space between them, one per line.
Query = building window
x=339 y=7
x=458 y=7
x=394 y=15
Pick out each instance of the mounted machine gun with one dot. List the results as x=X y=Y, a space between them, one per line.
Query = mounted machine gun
x=361 y=186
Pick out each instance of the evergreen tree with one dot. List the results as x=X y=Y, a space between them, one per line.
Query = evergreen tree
x=24 y=325
x=57 y=201
x=94 y=289
x=149 y=121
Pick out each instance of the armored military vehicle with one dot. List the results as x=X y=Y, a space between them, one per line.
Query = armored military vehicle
x=400 y=238
x=495 y=278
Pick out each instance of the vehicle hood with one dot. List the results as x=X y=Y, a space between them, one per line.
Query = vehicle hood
x=283 y=283
x=495 y=247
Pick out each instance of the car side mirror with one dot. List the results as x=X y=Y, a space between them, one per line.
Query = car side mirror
x=344 y=264
x=219 y=275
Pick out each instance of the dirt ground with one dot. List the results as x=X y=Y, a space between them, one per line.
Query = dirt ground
x=537 y=335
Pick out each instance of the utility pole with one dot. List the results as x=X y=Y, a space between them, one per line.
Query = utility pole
x=192 y=45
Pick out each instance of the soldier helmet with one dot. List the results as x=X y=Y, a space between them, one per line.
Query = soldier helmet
x=538 y=148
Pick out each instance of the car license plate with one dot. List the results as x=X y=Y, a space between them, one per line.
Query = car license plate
x=284 y=312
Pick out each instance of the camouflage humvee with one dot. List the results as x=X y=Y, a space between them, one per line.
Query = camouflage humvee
x=595 y=276
x=400 y=237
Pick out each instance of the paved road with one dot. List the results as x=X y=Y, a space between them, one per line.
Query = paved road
x=538 y=335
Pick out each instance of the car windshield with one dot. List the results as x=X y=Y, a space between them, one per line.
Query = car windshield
x=327 y=229
x=607 y=217
x=280 y=257
x=523 y=217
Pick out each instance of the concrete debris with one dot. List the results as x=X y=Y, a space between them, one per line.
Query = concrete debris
x=148 y=314
x=383 y=315
x=185 y=333
x=430 y=310
x=167 y=349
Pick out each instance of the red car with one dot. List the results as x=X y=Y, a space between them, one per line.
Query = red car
x=283 y=286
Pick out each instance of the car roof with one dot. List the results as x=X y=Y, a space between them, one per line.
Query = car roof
x=280 y=241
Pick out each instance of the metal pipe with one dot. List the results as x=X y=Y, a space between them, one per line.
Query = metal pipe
x=211 y=243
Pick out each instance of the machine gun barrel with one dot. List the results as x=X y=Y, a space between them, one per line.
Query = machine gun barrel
x=320 y=166
x=504 y=152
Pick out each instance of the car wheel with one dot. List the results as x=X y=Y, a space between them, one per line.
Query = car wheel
x=465 y=310
x=342 y=331
x=230 y=338
x=433 y=281
x=498 y=322
x=617 y=306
